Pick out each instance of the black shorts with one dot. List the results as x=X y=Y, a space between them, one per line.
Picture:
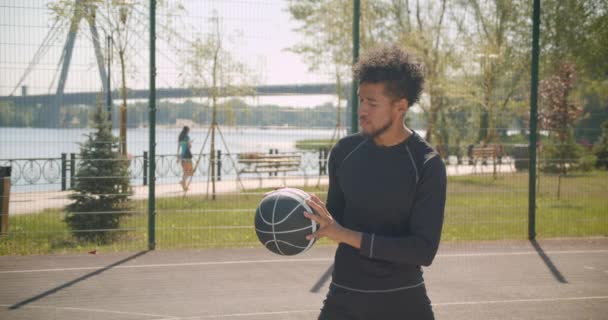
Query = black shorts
x=342 y=304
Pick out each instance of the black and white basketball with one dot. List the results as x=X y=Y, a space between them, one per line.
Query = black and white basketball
x=280 y=223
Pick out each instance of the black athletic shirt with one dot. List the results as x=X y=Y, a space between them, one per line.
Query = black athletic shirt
x=395 y=196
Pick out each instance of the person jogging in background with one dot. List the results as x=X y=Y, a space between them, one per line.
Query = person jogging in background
x=386 y=199
x=184 y=155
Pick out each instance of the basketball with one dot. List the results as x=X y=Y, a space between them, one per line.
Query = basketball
x=280 y=223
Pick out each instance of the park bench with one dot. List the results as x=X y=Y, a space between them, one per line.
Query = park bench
x=269 y=163
x=484 y=153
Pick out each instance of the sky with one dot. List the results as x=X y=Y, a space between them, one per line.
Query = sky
x=255 y=32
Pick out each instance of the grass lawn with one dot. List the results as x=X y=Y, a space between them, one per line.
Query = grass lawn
x=314 y=144
x=478 y=208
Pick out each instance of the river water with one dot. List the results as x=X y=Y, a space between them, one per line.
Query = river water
x=39 y=143
x=19 y=143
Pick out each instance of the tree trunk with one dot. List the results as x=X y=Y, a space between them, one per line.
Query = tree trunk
x=337 y=131
x=123 y=107
x=212 y=151
x=432 y=120
x=215 y=93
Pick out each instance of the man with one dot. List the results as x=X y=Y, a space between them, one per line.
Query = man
x=386 y=199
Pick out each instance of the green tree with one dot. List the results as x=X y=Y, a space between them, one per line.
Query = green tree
x=423 y=28
x=327 y=45
x=210 y=67
x=557 y=114
x=594 y=94
x=102 y=189
x=499 y=44
x=7 y=115
x=601 y=148
x=577 y=31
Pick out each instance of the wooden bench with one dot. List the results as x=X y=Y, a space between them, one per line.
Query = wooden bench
x=270 y=163
x=483 y=153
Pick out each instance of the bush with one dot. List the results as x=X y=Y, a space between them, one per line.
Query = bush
x=561 y=157
x=586 y=162
x=601 y=148
x=521 y=156
x=101 y=187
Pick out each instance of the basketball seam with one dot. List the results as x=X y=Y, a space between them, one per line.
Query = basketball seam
x=262 y=217
x=282 y=232
x=290 y=213
x=276 y=223
x=313 y=226
x=287 y=243
x=302 y=194
x=274 y=236
x=300 y=197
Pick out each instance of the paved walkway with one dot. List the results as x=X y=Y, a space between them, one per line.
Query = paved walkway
x=31 y=202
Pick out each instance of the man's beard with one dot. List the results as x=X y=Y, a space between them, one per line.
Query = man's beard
x=379 y=131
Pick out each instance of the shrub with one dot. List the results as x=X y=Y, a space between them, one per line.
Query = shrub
x=101 y=187
x=601 y=148
x=561 y=157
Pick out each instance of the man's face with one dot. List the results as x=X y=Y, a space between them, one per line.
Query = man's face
x=377 y=111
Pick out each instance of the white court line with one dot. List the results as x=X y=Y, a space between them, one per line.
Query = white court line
x=250 y=314
x=160 y=316
x=213 y=263
x=440 y=304
x=189 y=264
x=462 y=303
x=517 y=253
x=253 y=314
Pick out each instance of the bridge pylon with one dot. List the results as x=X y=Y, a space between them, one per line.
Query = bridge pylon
x=86 y=10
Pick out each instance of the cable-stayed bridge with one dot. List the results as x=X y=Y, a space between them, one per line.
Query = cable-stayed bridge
x=88 y=13
x=89 y=98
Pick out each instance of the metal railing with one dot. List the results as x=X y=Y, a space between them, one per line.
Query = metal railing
x=58 y=173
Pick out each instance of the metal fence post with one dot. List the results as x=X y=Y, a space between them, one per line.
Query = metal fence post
x=145 y=168
x=533 y=121
x=64 y=164
x=322 y=161
x=276 y=173
x=219 y=165
x=270 y=151
x=5 y=190
x=152 y=109
x=72 y=169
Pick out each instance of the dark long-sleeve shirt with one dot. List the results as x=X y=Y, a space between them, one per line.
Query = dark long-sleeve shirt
x=395 y=196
